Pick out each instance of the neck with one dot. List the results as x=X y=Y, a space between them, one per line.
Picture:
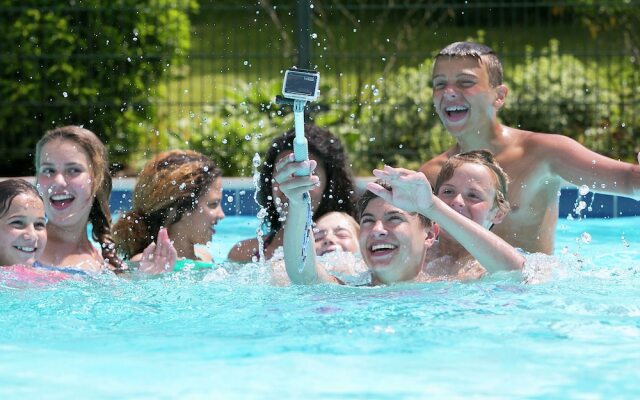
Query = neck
x=70 y=246
x=491 y=137
x=185 y=250
x=452 y=248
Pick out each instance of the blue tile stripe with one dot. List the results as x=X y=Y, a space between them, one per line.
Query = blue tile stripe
x=238 y=200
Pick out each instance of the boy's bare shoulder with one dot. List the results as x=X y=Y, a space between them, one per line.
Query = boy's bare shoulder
x=432 y=167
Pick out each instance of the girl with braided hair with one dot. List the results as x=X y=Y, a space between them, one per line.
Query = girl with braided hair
x=73 y=178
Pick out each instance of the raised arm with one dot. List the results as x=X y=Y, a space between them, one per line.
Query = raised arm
x=580 y=166
x=412 y=192
x=295 y=235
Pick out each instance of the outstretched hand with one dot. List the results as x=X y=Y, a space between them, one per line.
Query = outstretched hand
x=160 y=256
x=410 y=190
x=292 y=185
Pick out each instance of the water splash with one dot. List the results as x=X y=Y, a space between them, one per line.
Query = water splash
x=262 y=213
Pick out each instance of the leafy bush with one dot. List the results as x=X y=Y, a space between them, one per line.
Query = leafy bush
x=554 y=93
x=93 y=63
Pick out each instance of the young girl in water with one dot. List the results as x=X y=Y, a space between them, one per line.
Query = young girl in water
x=73 y=178
x=178 y=195
x=23 y=234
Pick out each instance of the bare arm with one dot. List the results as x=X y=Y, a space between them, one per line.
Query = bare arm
x=412 y=192
x=578 y=165
x=294 y=228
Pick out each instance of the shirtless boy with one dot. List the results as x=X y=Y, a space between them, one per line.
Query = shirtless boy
x=467 y=94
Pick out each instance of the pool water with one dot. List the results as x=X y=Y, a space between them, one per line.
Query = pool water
x=186 y=336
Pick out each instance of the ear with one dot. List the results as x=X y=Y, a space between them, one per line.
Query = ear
x=498 y=217
x=501 y=95
x=432 y=233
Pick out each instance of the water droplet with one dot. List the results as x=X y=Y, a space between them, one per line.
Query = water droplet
x=583 y=190
x=182 y=186
x=585 y=237
x=65 y=94
x=314 y=36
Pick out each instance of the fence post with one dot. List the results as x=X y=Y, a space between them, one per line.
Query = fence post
x=304 y=34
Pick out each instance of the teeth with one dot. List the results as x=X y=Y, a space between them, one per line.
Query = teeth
x=61 y=197
x=377 y=247
x=26 y=249
x=455 y=108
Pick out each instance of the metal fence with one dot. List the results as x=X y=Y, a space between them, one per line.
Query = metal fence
x=353 y=43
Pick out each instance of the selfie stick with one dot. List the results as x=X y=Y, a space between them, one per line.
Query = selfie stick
x=299 y=87
x=300 y=145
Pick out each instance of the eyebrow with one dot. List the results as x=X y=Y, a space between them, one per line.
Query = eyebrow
x=67 y=164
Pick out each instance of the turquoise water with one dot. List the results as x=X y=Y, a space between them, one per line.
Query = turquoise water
x=186 y=336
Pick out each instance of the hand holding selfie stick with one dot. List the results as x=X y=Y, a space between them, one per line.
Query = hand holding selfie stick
x=299 y=87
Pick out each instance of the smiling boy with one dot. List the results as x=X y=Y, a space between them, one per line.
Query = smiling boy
x=468 y=93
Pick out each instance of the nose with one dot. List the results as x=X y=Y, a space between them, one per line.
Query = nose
x=220 y=214
x=29 y=232
x=457 y=201
x=58 y=178
x=329 y=239
x=449 y=92
x=378 y=229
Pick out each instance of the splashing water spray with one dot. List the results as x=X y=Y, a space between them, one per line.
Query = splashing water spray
x=262 y=214
x=299 y=87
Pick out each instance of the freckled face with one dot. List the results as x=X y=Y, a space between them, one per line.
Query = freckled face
x=65 y=180
x=23 y=234
x=471 y=192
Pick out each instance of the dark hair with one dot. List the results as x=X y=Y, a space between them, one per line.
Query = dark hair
x=339 y=194
x=481 y=157
x=10 y=188
x=168 y=186
x=100 y=215
x=368 y=195
x=482 y=53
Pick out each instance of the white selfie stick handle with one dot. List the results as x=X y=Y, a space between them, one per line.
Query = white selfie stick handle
x=300 y=145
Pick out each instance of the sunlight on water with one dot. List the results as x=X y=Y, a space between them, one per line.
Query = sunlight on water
x=199 y=334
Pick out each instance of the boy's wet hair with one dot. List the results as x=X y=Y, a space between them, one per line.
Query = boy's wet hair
x=368 y=195
x=482 y=53
x=481 y=157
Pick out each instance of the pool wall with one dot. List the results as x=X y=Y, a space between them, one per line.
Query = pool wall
x=238 y=199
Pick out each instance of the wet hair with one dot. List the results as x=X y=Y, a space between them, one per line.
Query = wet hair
x=100 y=215
x=339 y=193
x=368 y=195
x=168 y=186
x=11 y=188
x=480 y=52
x=480 y=157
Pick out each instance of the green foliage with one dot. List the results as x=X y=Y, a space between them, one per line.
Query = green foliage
x=399 y=116
x=93 y=63
x=560 y=94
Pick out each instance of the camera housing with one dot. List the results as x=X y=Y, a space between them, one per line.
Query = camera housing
x=301 y=84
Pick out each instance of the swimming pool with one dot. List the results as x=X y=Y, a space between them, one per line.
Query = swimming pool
x=184 y=336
